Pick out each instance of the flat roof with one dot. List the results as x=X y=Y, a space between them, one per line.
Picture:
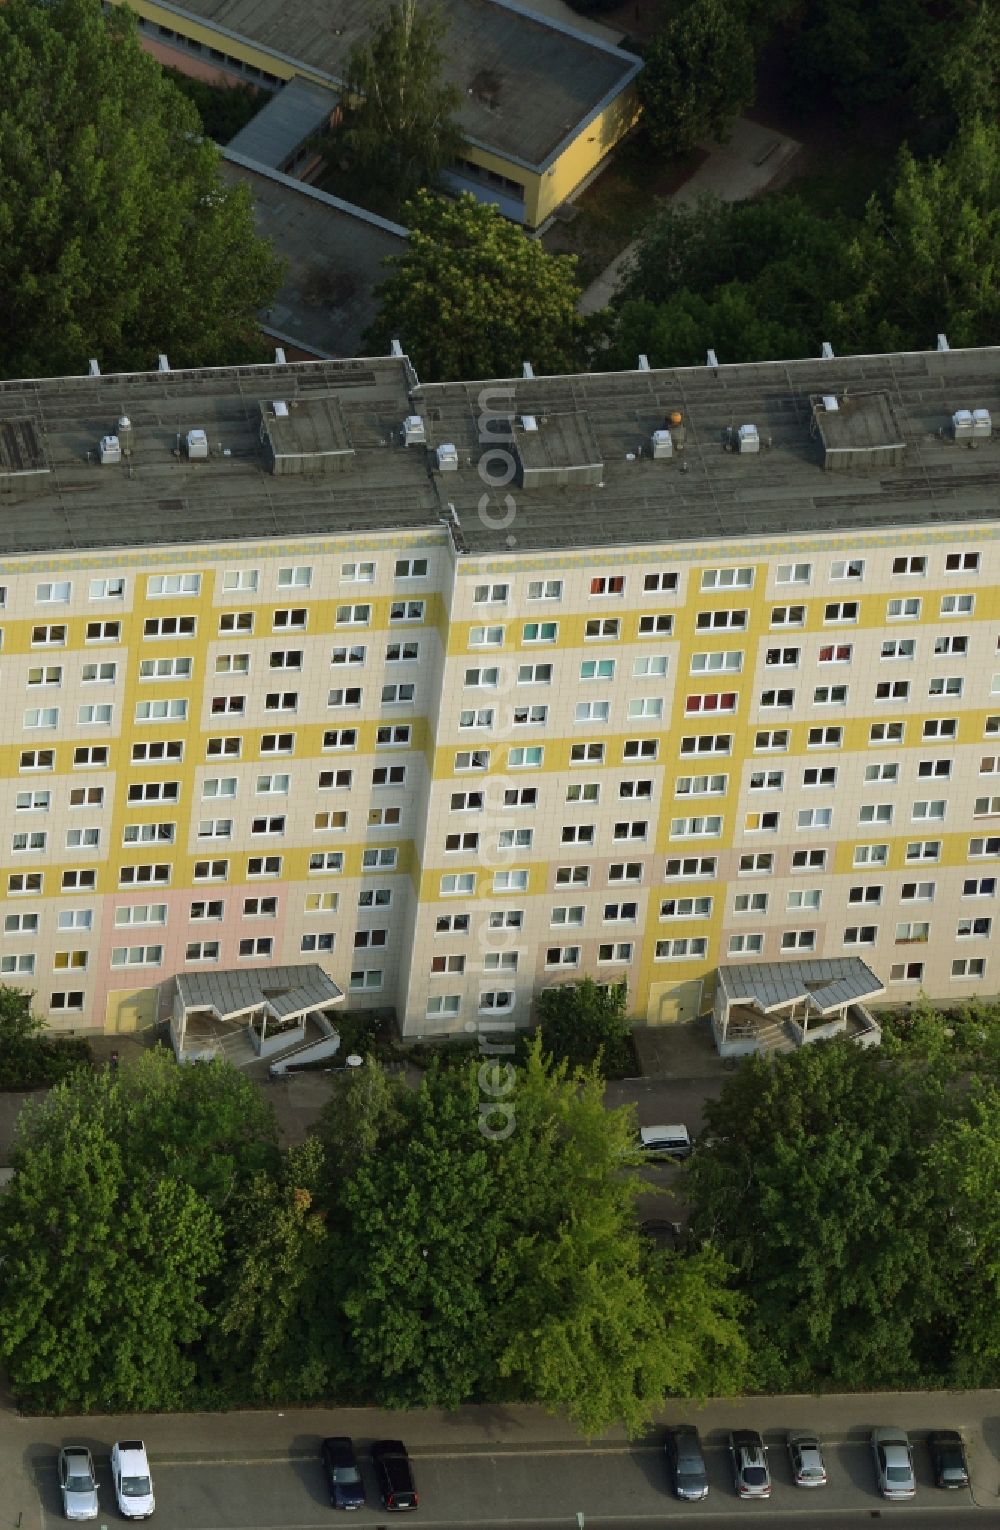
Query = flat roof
x=701 y=494
x=333 y=253
x=235 y=990
x=527 y=82
x=824 y=983
x=296 y=110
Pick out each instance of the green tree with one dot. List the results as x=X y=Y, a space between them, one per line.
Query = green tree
x=927 y=257
x=473 y=296
x=699 y=74
x=583 y=1021
x=118 y=239
x=105 y=1264
x=363 y=1115
x=399 y=132
x=815 y=1189
x=30 y=1056
x=272 y=1339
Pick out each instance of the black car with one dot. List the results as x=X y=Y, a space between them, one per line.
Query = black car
x=686 y=1462
x=347 y=1491
x=395 y=1475
x=948 y=1458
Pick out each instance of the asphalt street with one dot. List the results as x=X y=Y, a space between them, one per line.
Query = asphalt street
x=501 y=1486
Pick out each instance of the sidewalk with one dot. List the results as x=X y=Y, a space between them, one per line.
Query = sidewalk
x=734 y=171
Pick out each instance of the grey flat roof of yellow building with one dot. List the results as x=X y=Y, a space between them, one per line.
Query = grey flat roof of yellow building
x=527 y=83
x=56 y=496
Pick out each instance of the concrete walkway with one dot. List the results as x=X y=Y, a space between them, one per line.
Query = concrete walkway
x=733 y=172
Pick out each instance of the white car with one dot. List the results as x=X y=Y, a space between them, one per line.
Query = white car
x=893 y=1463
x=665 y=1141
x=77 y=1482
x=133 y=1482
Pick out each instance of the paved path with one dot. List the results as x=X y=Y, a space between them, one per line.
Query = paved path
x=733 y=172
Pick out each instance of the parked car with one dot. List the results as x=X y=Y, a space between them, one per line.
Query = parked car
x=77 y=1482
x=806 y=1456
x=686 y=1462
x=347 y=1491
x=396 y=1486
x=665 y=1141
x=750 y=1469
x=893 y=1463
x=948 y=1458
x=662 y=1233
x=132 y=1478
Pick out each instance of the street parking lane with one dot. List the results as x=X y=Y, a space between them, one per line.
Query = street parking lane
x=614 y=1487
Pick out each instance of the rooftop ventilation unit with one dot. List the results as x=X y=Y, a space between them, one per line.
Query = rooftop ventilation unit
x=163 y=365
x=662 y=444
x=95 y=370
x=961 y=424
x=196 y=442
x=414 y=431
x=830 y=403
x=748 y=441
x=529 y=422
x=446 y=458
x=279 y=356
x=111 y=450
x=125 y=435
x=280 y=409
x=982 y=425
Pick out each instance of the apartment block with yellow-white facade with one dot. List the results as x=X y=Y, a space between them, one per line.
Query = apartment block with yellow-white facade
x=543 y=104
x=458 y=690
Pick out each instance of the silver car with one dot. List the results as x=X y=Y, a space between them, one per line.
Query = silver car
x=893 y=1463
x=77 y=1482
x=806 y=1456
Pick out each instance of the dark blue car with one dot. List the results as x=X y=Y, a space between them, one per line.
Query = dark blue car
x=347 y=1491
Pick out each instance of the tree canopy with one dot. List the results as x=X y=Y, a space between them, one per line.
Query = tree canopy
x=399 y=131
x=698 y=75
x=585 y=1022
x=118 y=239
x=472 y=296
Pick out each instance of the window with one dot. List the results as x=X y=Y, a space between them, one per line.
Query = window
x=814 y=818
x=149 y=669
x=703 y=826
x=256 y=946
x=781 y=658
x=211 y=871
x=777 y=698
x=727 y=578
x=651 y=666
x=296 y=619
x=747 y=903
x=957 y=605
x=138 y=876
x=687 y=786
x=214 y=909
x=924 y=850
x=722 y=661
x=592 y=711
x=913 y=932
x=67 y=1000
x=201 y=951
x=809 y=860
x=141 y=913
x=986 y=807
x=798 y=940
x=672 y=908
x=704 y=743
x=45 y=674
x=380 y=860
x=660 y=625
x=597 y=669
x=969 y=967
x=177 y=710
x=903 y=609
x=886 y=733
x=406 y=610
x=784 y=616
x=875 y=812
x=21 y=883
x=867 y=893
x=490 y=594
x=381 y=897
x=410 y=568
x=136 y=956
x=290 y=658
x=525 y=758
x=871 y=855
x=41 y=717
x=892 y=690
x=562 y=956
x=616 y=951
x=233 y=706
x=762 y=823
x=830 y=696
x=447 y=964
x=31 y=839
x=333 y=738
x=33 y=802
x=274 y=823
x=745 y=945
x=473 y=717
x=55 y=636
x=945 y=685
x=940 y=727
x=665 y=581
x=53 y=594
x=568 y=914
x=510 y=881
x=234 y=579
x=604 y=584
x=107 y=589
x=20 y=924
x=682 y=868
x=820 y=775
x=296 y=578
x=683 y=949
x=979 y=887
x=539 y=632
x=173 y=584
x=608 y=627
x=851 y=568
x=961 y=563
x=578 y=834
x=899 y=648
x=861 y=935
x=457 y=883
x=84 y=839
x=340 y=656
x=929 y=809
x=882 y=772
x=402 y=653
x=771 y=740
x=264 y=866
x=716 y=621
x=486 y=637
x=793 y=573
x=712 y=701
x=473 y=759
x=951 y=645
x=973 y=929
x=522 y=716
x=342 y=696
x=909 y=565
x=545 y=589
x=37 y=759
x=454 y=843
x=840 y=611
x=353 y=573
x=269 y=786
x=153 y=627
x=572 y=876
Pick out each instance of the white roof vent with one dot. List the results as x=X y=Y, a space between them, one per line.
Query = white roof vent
x=280 y=409
x=830 y=403
x=111 y=450
x=982 y=424
x=414 y=431
x=447 y=458
x=124 y=424
x=749 y=440
x=961 y=424
x=196 y=442
x=663 y=444
x=529 y=422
